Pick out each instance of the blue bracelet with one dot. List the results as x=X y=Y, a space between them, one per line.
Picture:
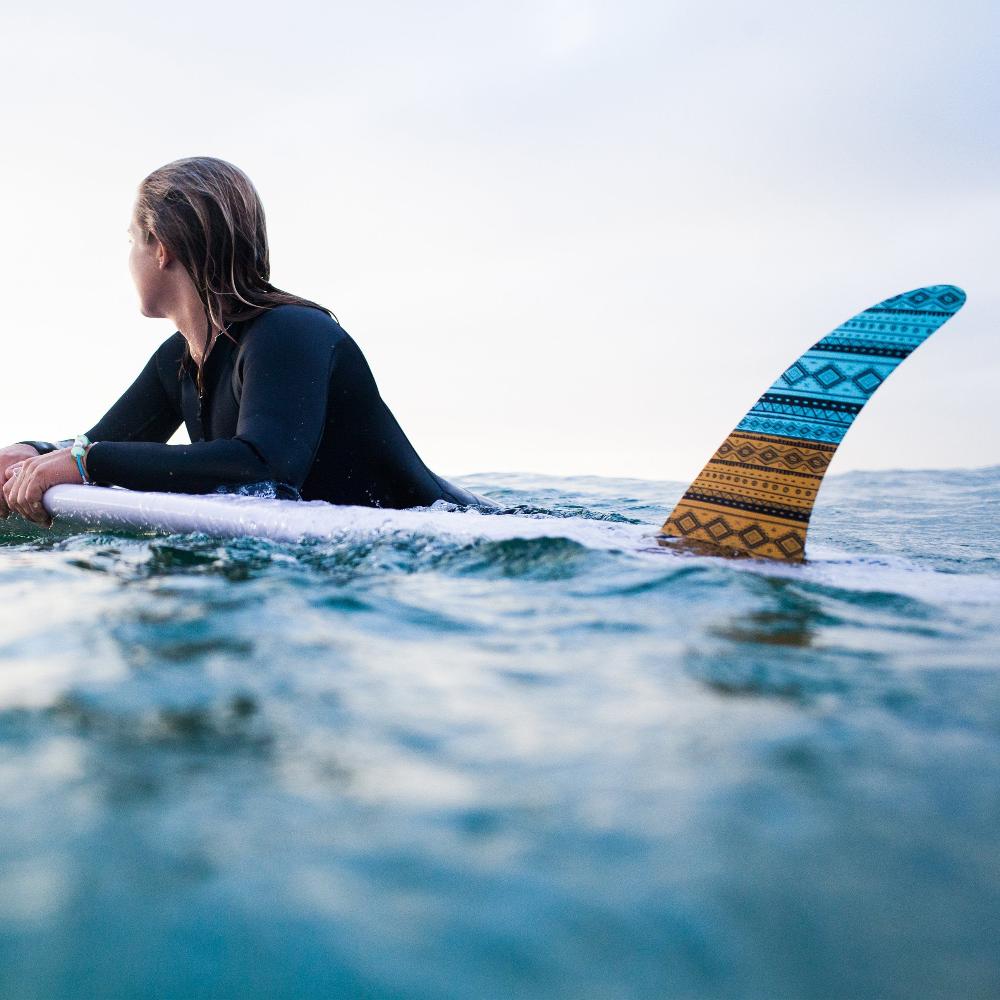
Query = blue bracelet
x=81 y=445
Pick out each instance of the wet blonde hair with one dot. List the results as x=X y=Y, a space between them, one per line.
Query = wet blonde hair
x=208 y=214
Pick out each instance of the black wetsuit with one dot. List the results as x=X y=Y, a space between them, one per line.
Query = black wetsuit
x=289 y=401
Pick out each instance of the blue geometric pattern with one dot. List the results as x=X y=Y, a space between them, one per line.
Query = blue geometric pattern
x=818 y=397
x=756 y=494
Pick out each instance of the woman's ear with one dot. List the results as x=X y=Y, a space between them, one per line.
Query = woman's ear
x=163 y=256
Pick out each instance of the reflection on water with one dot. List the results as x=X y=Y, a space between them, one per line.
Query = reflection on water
x=793 y=620
x=404 y=765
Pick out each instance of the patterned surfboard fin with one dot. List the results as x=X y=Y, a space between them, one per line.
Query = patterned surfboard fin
x=757 y=492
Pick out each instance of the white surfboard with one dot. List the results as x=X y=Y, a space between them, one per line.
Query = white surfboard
x=222 y=515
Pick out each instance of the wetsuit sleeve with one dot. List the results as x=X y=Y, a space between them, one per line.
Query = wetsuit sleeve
x=44 y=447
x=145 y=411
x=284 y=367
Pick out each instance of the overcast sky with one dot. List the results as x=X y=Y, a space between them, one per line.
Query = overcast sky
x=571 y=237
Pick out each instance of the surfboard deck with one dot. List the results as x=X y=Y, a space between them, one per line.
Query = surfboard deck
x=120 y=511
x=115 y=509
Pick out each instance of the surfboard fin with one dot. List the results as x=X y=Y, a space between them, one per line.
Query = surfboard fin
x=757 y=492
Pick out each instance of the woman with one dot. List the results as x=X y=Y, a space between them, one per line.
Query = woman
x=270 y=387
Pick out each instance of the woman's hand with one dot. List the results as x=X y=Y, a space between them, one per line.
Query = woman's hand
x=10 y=456
x=26 y=481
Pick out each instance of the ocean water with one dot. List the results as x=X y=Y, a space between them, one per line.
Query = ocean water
x=536 y=757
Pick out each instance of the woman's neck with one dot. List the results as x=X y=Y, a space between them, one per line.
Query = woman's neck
x=189 y=318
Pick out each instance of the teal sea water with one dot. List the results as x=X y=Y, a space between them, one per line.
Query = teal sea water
x=410 y=765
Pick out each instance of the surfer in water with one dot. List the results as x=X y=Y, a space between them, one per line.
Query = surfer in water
x=270 y=387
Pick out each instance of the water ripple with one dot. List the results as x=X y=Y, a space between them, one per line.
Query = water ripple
x=529 y=754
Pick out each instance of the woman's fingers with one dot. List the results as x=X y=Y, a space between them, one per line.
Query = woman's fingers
x=31 y=502
x=31 y=497
x=24 y=491
x=11 y=458
x=17 y=490
x=28 y=480
x=13 y=455
x=9 y=490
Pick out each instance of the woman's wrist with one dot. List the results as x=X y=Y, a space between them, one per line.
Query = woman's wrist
x=81 y=445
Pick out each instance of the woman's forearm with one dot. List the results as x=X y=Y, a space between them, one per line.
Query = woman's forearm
x=202 y=467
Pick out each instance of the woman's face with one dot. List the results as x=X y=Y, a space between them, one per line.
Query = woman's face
x=146 y=263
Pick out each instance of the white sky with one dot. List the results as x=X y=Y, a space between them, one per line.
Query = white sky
x=571 y=237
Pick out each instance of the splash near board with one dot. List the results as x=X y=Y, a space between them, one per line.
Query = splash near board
x=757 y=492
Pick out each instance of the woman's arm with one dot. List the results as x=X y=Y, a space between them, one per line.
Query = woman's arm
x=285 y=365
x=144 y=412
